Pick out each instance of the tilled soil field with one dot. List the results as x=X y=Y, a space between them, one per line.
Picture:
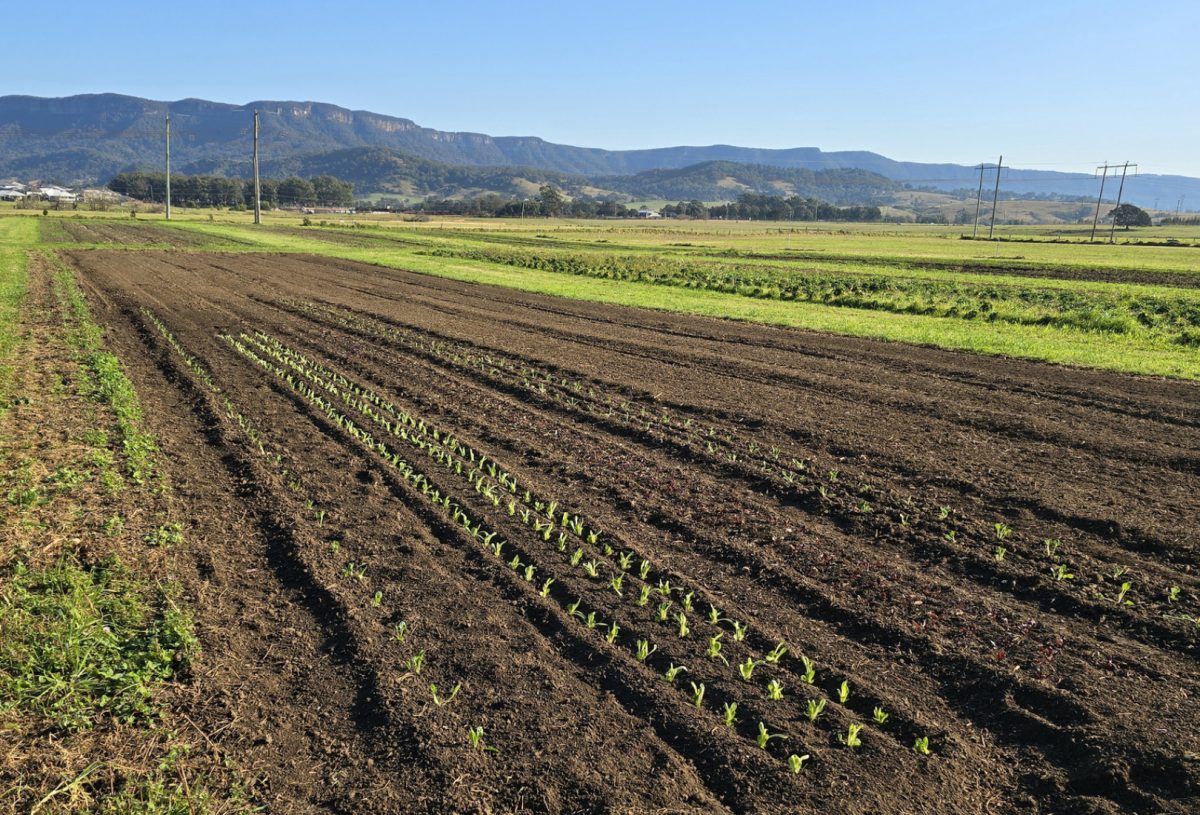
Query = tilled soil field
x=401 y=481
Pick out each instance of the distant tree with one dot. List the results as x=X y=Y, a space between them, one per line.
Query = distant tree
x=1128 y=215
x=332 y=192
x=551 y=199
x=296 y=192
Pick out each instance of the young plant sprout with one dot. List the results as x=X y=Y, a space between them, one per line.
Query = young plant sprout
x=714 y=616
x=774 y=690
x=515 y=563
x=773 y=657
x=1002 y=530
x=440 y=701
x=673 y=671
x=664 y=588
x=399 y=632
x=643 y=595
x=810 y=670
x=730 y=712
x=591 y=621
x=529 y=570
x=714 y=648
x=739 y=630
x=843 y=692
x=763 y=736
x=591 y=568
x=681 y=618
x=497 y=548
x=1051 y=545
x=746 y=669
x=815 y=708
x=686 y=602
x=1172 y=594
x=576 y=556
x=617 y=582
x=613 y=630
x=1060 y=573
x=475 y=736
x=625 y=559
x=1000 y=553
x=921 y=745
x=545 y=592
x=377 y=599
x=851 y=738
x=644 y=650
x=880 y=715
x=644 y=569
x=663 y=610
x=416 y=662
x=1125 y=587
x=697 y=694
x=796 y=763
x=573 y=609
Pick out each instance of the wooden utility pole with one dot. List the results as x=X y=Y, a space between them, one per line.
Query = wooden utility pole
x=168 y=166
x=257 y=188
x=979 y=197
x=995 y=197
x=1113 y=229
x=1099 y=198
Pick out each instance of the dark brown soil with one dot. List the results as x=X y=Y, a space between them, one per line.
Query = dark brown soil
x=672 y=436
x=61 y=230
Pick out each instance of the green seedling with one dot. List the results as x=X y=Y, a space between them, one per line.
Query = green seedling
x=416 y=662
x=334 y=546
x=644 y=650
x=951 y=536
x=355 y=571
x=1002 y=530
x=943 y=513
x=1173 y=594
x=573 y=609
x=400 y=631
x=377 y=599
x=625 y=560
x=497 y=548
x=730 y=713
x=475 y=735
x=921 y=745
x=576 y=556
x=664 y=588
x=1051 y=545
x=739 y=631
x=851 y=738
x=515 y=563
x=1060 y=572
x=440 y=702
x=664 y=609
x=843 y=692
x=613 y=630
x=1000 y=553
x=714 y=616
x=746 y=669
x=810 y=670
x=686 y=602
x=616 y=583
x=673 y=671
x=591 y=622
x=773 y=657
x=591 y=568
x=815 y=708
x=697 y=694
x=1125 y=587
x=681 y=618
x=774 y=690
x=643 y=595
x=880 y=715
x=529 y=571
x=545 y=592
x=796 y=763
x=644 y=569
x=764 y=737
x=714 y=648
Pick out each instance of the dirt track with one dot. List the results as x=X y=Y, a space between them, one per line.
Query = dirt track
x=708 y=449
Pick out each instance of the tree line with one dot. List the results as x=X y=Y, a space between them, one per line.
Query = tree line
x=219 y=191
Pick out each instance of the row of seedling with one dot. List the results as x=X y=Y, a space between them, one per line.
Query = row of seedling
x=591 y=620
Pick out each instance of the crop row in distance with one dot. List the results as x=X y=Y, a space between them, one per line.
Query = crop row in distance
x=995 y=553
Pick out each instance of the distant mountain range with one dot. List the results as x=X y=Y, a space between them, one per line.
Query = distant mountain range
x=89 y=138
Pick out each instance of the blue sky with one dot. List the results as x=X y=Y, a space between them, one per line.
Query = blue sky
x=1058 y=85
